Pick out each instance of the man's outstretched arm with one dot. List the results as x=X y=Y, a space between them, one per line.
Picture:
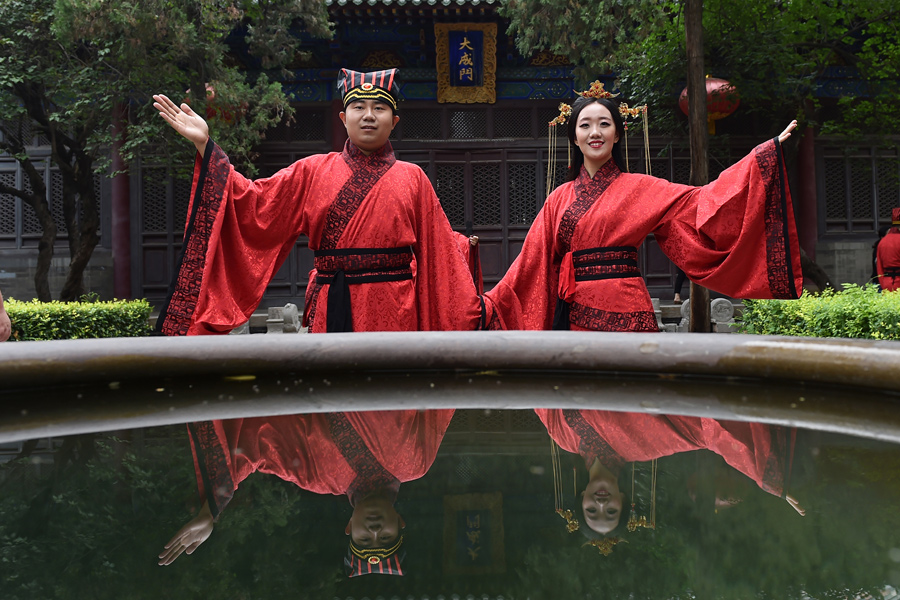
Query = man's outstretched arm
x=189 y=537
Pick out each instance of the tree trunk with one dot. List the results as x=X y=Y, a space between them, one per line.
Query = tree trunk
x=38 y=202
x=36 y=198
x=696 y=88
x=87 y=238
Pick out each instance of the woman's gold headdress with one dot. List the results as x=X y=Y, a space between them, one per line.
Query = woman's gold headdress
x=565 y=111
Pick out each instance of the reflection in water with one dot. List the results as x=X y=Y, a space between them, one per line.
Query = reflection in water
x=363 y=455
x=607 y=440
x=85 y=516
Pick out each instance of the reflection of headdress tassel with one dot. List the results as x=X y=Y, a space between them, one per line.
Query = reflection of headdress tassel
x=572 y=524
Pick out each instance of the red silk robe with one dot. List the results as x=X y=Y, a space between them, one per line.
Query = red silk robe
x=735 y=236
x=887 y=261
x=764 y=453
x=240 y=232
x=326 y=453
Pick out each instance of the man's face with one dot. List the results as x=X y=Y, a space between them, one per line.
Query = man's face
x=369 y=124
x=375 y=523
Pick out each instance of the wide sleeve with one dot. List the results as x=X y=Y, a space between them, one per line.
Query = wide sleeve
x=237 y=235
x=737 y=235
x=762 y=452
x=445 y=293
x=472 y=258
x=525 y=298
x=217 y=477
x=299 y=449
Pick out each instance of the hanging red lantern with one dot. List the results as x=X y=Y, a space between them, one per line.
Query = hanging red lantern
x=214 y=110
x=722 y=99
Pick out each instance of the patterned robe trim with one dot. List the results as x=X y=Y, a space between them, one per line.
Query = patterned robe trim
x=614 y=262
x=590 y=444
x=587 y=191
x=367 y=170
x=218 y=485
x=370 y=474
x=597 y=319
x=777 y=475
x=778 y=245
x=178 y=310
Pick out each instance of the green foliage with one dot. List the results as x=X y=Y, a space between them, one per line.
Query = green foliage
x=67 y=66
x=854 y=312
x=773 y=52
x=77 y=320
x=91 y=523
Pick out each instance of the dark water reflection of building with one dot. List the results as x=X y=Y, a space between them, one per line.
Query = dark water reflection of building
x=86 y=516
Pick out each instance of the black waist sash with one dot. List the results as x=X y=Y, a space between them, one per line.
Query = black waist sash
x=607 y=262
x=891 y=273
x=348 y=266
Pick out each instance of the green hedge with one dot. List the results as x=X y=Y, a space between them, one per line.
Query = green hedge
x=75 y=320
x=854 y=312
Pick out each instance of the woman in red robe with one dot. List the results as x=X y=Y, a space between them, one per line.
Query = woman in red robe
x=606 y=440
x=363 y=455
x=578 y=268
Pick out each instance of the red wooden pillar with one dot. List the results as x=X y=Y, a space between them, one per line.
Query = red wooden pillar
x=338 y=131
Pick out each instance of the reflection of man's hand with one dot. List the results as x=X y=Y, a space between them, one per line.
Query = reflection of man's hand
x=188 y=537
x=795 y=505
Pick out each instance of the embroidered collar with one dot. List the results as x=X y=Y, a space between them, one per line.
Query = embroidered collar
x=602 y=178
x=355 y=157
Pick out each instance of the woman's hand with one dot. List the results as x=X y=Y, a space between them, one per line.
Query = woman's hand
x=183 y=120
x=188 y=537
x=784 y=134
x=793 y=501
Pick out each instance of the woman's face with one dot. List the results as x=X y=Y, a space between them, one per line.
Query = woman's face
x=595 y=135
x=601 y=504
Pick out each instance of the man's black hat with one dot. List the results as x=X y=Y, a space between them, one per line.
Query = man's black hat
x=375 y=561
x=377 y=85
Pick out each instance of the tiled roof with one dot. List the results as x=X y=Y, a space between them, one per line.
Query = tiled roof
x=410 y=2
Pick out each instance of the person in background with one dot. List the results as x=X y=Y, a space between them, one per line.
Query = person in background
x=679 y=283
x=887 y=261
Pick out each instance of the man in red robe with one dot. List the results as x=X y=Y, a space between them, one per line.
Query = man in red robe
x=606 y=440
x=887 y=261
x=365 y=455
x=368 y=218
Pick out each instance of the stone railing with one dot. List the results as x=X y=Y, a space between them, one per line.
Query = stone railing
x=721 y=313
x=670 y=318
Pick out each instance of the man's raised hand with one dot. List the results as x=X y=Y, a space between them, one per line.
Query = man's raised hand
x=189 y=537
x=183 y=120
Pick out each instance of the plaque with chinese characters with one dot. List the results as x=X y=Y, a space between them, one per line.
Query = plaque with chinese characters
x=466 y=62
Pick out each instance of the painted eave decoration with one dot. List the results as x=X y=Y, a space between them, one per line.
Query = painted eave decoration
x=411 y=2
